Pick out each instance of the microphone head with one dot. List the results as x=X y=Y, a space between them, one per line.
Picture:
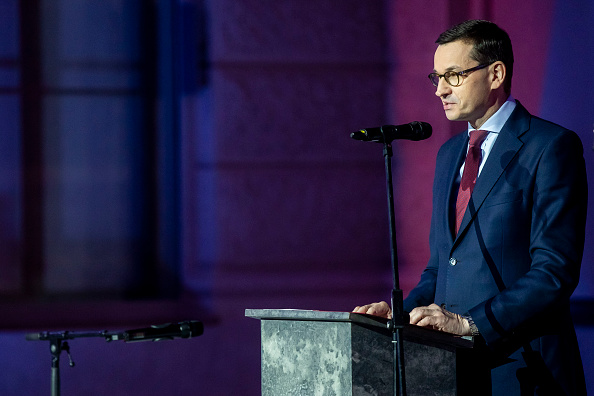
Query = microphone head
x=420 y=130
x=167 y=331
x=191 y=328
x=359 y=135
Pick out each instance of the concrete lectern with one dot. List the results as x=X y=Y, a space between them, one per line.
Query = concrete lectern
x=342 y=353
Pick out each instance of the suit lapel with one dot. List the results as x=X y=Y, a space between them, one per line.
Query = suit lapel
x=504 y=150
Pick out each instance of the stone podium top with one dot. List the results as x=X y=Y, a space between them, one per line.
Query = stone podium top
x=326 y=316
x=411 y=332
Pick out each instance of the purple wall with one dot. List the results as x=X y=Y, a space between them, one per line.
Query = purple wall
x=281 y=209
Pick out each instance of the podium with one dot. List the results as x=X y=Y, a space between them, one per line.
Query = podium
x=342 y=353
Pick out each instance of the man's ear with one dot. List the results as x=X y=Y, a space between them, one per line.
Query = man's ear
x=498 y=74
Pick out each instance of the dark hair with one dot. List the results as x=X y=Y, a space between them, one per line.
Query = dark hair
x=491 y=43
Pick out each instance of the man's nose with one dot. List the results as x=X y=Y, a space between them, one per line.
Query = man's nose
x=443 y=88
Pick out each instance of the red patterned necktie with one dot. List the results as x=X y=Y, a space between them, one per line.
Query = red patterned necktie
x=471 y=167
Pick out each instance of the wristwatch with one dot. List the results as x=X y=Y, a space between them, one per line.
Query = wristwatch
x=474 y=331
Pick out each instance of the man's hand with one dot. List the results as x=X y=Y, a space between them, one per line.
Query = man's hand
x=438 y=318
x=378 y=309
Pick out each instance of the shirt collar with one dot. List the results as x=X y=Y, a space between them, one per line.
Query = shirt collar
x=496 y=121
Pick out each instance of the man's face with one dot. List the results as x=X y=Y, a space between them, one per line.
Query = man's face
x=469 y=101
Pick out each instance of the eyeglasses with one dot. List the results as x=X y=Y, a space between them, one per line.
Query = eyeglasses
x=454 y=78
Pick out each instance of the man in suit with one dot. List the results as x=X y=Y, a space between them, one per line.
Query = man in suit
x=507 y=238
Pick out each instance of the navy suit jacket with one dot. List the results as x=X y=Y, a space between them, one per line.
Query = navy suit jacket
x=516 y=259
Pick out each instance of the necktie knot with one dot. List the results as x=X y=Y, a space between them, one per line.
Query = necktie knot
x=477 y=137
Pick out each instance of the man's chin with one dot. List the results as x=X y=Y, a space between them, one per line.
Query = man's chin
x=452 y=116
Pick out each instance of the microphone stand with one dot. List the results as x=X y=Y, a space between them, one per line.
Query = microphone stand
x=414 y=131
x=58 y=341
x=399 y=317
x=57 y=345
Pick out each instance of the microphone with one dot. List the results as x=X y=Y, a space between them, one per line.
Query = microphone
x=415 y=130
x=167 y=331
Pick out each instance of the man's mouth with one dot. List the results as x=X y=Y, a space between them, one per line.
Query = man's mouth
x=448 y=105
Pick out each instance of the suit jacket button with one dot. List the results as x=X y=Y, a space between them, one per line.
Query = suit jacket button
x=453 y=261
